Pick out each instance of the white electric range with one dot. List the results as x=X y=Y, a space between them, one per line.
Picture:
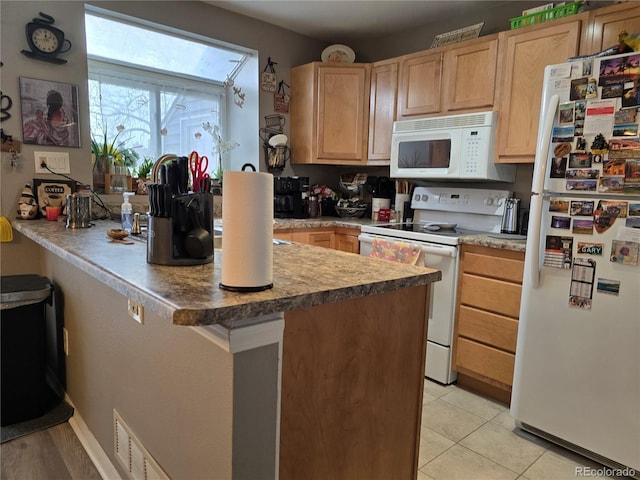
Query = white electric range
x=441 y=216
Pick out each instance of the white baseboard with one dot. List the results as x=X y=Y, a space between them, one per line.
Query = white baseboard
x=97 y=455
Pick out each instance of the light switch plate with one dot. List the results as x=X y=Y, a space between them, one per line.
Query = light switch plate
x=58 y=162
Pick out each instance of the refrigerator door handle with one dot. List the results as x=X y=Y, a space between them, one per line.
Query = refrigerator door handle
x=542 y=149
x=535 y=219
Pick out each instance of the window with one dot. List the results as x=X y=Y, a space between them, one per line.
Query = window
x=147 y=94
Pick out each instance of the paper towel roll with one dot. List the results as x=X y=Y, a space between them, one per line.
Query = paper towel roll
x=247 y=231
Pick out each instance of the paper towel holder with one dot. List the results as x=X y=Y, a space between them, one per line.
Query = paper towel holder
x=241 y=289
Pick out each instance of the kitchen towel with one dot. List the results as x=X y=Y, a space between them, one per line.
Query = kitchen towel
x=393 y=251
x=247 y=225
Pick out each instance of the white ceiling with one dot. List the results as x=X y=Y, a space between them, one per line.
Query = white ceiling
x=332 y=20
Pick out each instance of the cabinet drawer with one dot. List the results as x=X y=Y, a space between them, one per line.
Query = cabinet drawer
x=510 y=269
x=491 y=294
x=486 y=361
x=489 y=328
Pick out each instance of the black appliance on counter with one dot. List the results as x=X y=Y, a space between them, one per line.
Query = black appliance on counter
x=291 y=197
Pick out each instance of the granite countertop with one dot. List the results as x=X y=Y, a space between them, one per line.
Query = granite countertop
x=505 y=242
x=292 y=223
x=517 y=243
x=303 y=275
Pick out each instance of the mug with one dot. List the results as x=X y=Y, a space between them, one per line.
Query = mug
x=53 y=213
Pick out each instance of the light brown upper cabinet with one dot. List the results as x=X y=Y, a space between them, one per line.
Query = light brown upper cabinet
x=606 y=23
x=382 y=110
x=330 y=113
x=420 y=77
x=453 y=79
x=523 y=55
x=469 y=75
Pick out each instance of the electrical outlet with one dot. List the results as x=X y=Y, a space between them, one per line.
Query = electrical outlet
x=65 y=340
x=136 y=311
x=58 y=162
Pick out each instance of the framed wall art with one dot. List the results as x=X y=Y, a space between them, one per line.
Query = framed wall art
x=49 y=113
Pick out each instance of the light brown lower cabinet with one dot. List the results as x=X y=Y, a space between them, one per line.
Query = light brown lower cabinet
x=346 y=239
x=489 y=286
x=352 y=386
x=338 y=238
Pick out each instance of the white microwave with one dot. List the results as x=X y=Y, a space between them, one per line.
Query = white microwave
x=453 y=147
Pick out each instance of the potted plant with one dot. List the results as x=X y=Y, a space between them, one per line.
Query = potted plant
x=143 y=173
x=104 y=155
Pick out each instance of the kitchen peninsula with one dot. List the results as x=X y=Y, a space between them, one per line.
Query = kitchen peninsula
x=319 y=377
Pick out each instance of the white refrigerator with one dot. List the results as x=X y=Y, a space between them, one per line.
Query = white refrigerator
x=577 y=366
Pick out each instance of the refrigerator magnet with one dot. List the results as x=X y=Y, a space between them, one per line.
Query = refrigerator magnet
x=557 y=252
x=581 y=208
x=623 y=252
x=566 y=113
x=580 y=160
x=582 y=277
x=560 y=206
x=590 y=248
x=563 y=223
x=578 y=89
x=582 y=226
x=610 y=287
x=592 y=89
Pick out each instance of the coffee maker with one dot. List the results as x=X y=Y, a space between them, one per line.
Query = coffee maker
x=291 y=197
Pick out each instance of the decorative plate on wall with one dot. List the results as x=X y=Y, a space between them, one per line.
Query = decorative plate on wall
x=338 y=54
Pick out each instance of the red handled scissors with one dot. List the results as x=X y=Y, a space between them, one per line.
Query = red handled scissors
x=198 y=166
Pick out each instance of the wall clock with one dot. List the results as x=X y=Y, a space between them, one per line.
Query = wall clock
x=45 y=40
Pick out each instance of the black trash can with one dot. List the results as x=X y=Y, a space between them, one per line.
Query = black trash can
x=22 y=336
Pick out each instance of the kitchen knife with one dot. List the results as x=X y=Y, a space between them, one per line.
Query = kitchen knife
x=183 y=174
x=162 y=174
x=151 y=189
x=173 y=176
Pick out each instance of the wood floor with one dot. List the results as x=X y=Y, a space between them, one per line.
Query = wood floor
x=51 y=454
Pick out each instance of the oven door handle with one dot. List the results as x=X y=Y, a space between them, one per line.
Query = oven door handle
x=444 y=251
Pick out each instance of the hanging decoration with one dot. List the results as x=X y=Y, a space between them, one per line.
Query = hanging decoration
x=281 y=99
x=238 y=95
x=269 y=79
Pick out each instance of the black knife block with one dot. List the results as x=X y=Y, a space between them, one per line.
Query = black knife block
x=166 y=235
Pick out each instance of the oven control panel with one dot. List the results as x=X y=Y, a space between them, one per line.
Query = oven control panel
x=461 y=200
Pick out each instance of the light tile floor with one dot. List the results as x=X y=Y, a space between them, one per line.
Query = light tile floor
x=469 y=437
